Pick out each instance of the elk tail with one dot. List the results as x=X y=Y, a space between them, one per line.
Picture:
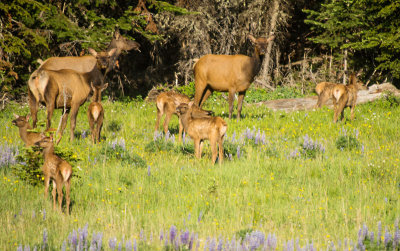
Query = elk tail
x=337 y=93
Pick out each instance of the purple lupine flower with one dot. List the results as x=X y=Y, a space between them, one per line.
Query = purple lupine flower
x=356 y=132
x=73 y=239
x=362 y=149
x=148 y=171
x=378 y=237
x=396 y=236
x=141 y=235
x=44 y=214
x=45 y=239
x=230 y=156
x=263 y=141
x=19 y=248
x=238 y=152
x=220 y=244
x=233 y=137
x=33 y=214
x=185 y=237
x=388 y=237
x=167 y=135
x=161 y=235
x=120 y=246
x=64 y=246
x=83 y=234
x=8 y=154
x=128 y=245
x=112 y=243
x=172 y=233
x=183 y=137
x=84 y=134
x=27 y=248
x=135 y=246
x=200 y=216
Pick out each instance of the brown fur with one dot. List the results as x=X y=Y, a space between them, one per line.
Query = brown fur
x=29 y=138
x=346 y=96
x=57 y=170
x=167 y=102
x=90 y=65
x=95 y=113
x=199 y=129
x=324 y=92
x=228 y=73
x=51 y=87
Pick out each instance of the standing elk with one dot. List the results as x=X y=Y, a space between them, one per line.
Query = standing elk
x=346 y=96
x=199 y=129
x=167 y=102
x=228 y=73
x=95 y=112
x=95 y=66
x=57 y=170
x=324 y=91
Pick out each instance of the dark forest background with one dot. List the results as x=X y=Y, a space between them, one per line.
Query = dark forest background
x=315 y=40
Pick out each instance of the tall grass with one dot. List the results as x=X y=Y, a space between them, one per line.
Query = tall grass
x=318 y=201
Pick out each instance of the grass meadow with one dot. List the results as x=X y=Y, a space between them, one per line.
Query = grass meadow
x=288 y=180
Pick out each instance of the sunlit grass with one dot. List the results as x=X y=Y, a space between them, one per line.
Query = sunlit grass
x=322 y=199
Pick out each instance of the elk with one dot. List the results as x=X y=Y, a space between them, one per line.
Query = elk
x=95 y=66
x=346 y=96
x=57 y=170
x=29 y=138
x=324 y=92
x=63 y=89
x=199 y=129
x=167 y=102
x=95 y=112
x=228 y=73
x=67 y=67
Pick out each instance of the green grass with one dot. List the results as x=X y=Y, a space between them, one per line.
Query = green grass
x=322 y=199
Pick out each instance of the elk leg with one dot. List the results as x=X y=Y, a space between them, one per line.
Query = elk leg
x=213 y=144
x=60 y=194
x=180 y=130
x=201 y=148
x=240 y=103
x=168 y=116
x=231 y=98
x=205 y=96
x=74 y=113
x=46 y=186
x=91 y=125
x=352 y=112
x=54 y=194
x=221 y=149
x=197 y=147
x=159 y=115
x=50 y=110
x=99 y=125
x=67 y=191
x=339 y=110
x=33 y=106
x=200 y=87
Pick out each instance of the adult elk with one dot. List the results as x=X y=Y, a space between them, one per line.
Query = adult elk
x=167 y=102
x=95 y=66
x=57 y=170
x=95 y=112
x=346 y=96
x=199 y=129
x=63 y=89
x=228 y=73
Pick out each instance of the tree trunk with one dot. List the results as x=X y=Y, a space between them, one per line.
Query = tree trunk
x=264 y=76
x=344 y=66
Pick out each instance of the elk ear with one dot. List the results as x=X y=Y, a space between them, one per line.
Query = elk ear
x=252 y=39
x=92 y=51
x=15 y=115
x=112 y=52
x=40 y=61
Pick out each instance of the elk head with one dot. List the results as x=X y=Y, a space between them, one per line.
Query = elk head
x=261 y=43
x=104 y=59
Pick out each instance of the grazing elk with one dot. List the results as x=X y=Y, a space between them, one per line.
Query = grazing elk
x=167 y=102
x=57 y=170
x=199 y=129
x=29 y=138
x=324 y=91
x=228 y=73
x=346 y=96
x=63 y=89
x=95 y=112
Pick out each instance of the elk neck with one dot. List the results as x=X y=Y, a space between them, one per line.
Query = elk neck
x=96 y=96
x=256 y=60
x=48 y=151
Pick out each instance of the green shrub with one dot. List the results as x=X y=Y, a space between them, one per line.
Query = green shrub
x=187 y=89
x=114 y=126
x=347 y=142
x=117 y=150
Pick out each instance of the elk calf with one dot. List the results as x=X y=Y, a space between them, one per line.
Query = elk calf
x=199 y=129
x=29 y=138
x=56 y=169
x=95 y=112
x=346 y=96
x=167 y=102
x=324 y=91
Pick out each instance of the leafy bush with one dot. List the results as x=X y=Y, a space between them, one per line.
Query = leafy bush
x=254 y=95
x=30 y=161
x=187 y=89
x=346 y=141
x=114 y=126
x=117 y=150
